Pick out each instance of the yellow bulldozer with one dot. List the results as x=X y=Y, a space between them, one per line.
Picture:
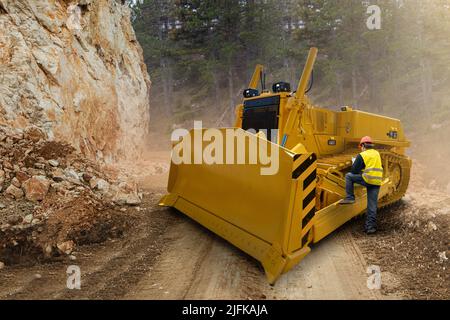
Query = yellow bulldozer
x=277 y=216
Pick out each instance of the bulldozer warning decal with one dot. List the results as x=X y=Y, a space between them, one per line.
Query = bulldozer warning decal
x=304 y=171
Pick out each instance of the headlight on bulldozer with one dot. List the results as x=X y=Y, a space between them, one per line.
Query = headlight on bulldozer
x=249 y=93
x=281 y=87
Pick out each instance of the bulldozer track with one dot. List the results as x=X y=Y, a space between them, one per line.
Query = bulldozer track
x=342 y=162
x=404 y=164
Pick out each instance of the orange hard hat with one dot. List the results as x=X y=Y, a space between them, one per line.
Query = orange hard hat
x=367 y=140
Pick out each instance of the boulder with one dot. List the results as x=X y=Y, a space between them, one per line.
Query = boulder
x=58 y=175
x=102 y=185
x=14 y=192
x=39 y=165
x=36 y=188
x=28 y=219
x=93 y=182
x=66 y=247
x=7 y=165
x=15 y=182
x=71 y=175
x=53 y=163
x=99 y=184
x=127 y=194
x=122 y=198
x=22 y=176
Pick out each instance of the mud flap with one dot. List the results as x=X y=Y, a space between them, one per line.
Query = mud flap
x=270 y=217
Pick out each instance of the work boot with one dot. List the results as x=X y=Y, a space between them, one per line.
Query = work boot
x=347 y=201
x=370 y=231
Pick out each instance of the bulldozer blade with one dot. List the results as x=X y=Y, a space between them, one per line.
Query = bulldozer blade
x=268 y=216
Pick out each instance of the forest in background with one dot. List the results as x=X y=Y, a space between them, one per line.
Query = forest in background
x=201 y=54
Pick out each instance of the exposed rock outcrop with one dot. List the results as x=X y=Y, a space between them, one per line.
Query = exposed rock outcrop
x=74 y=69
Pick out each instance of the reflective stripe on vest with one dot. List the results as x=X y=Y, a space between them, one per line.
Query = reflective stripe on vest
x=373 y=173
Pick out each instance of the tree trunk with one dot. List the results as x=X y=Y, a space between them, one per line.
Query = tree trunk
x=425 y=76
x=340 y=89
x=354 y=88
x=231 y=90
x=166 y=76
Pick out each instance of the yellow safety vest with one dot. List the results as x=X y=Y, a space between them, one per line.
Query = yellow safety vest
x=373 y=173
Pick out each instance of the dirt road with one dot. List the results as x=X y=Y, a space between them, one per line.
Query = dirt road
x=165 y=255
x=198 y=265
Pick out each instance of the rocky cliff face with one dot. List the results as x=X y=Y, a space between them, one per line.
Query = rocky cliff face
x=74 y=69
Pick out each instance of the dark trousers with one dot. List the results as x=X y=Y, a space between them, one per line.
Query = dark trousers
x=372 y=197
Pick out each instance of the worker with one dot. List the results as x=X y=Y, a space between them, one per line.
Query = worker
x=367 y=171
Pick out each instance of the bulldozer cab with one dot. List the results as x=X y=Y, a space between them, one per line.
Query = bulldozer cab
x=276 y=113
